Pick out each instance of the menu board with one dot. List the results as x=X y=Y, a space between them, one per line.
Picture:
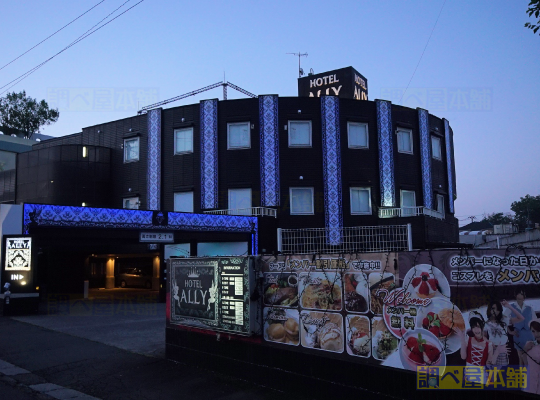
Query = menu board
x=210 y=293
x=410 y=309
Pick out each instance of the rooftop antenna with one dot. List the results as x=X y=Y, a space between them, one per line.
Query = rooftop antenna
x=300 y=70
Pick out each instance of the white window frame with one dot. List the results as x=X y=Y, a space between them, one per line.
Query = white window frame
x=368 y=189
x=312 y=211
x=405 y=210
x=230 y=191
x=405 y=131
x=353 y=146
x=229 y=146
x=130 y=199
x=135 y=139
x=437 y=140
x=310 y=133
x=176 y=131
x=441 y=198
x=183 y=194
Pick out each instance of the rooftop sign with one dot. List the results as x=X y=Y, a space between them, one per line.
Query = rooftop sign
x=346 y=83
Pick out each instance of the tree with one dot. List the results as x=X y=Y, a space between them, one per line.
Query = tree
x=498 y=218
x=19 y=112
x=527 y=210
x=534 y=8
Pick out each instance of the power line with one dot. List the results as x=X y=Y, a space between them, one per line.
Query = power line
x=80 y=38
x=50 y=36
x=422 y=53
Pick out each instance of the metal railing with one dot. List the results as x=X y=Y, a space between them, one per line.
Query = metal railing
x=251 y=211
x=357 y=239
x=409 y=212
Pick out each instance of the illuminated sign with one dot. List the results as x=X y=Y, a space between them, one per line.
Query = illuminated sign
x=210 y=293
x=156 y=237
x=18 y=254
x=346 y=83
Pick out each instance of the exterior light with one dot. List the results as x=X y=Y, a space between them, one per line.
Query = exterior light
x=84 y=152
x=84 y=204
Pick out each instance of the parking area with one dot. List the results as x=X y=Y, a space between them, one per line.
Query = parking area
x=130 y=319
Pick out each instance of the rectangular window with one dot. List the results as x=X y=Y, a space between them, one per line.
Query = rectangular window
x=436 y=148
x=440 y=203
x=299 y=133
x=183 y=140
x=358 y=135
x=183 y=202
x=360 y=200
x=131 y=150
x=240 y=199
x=238 y=136
x=301 y=201
x=131 y=203
x=408 y=203
x=404 y=138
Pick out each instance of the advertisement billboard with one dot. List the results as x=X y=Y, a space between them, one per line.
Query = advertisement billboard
x=210 y=293
x=410 y=310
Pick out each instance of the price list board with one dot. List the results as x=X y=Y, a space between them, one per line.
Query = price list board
x=211 y=293
x=232 y=295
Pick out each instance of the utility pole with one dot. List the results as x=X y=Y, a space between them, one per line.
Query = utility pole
x=300 y=70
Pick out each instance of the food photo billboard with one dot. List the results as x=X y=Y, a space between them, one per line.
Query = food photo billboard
x=410 y=309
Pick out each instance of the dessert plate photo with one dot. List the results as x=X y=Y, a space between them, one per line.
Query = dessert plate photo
x=281 y=325
x=322 y=331
x=419 y=348
x=358 y=335
x=440 y=318
x=426 y=281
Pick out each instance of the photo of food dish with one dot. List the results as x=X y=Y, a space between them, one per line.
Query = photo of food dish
x=383 y=342
x=426 y=281
x=358 y=335
x=281 y=289
x=441 y=318
x=378 y=281
x=322 y=330
x=281 y=325
x=420 y=348
x=356 y=292
x=320 y=291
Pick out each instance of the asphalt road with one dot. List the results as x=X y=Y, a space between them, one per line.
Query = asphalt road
x=109 y=347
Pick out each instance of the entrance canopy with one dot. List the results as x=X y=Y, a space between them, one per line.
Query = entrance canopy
x=43 y=215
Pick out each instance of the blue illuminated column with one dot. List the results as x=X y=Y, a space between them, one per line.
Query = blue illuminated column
x=154 y=160
x=268 y=119
x=332 y=168
x=209 y=154
x=449 y=164
x=425 y=156
x=386 y=153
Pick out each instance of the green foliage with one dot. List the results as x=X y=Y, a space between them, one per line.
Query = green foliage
x=498 y=218
x=526 y=209
x=20 y=112
x=534 y=8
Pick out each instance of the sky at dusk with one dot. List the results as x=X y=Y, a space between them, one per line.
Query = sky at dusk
x=480 y=69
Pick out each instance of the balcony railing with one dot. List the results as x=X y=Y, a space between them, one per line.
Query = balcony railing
x=251 y=212
x=409 y=212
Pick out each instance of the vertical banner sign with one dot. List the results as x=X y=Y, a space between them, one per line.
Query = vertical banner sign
x=332 y=168
x=425 y=155
x=18 y=264
x=209 y=155
x=268 y=120
x=154 y=159
x=449 y=162
x=211 y=293
x=386 y=153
